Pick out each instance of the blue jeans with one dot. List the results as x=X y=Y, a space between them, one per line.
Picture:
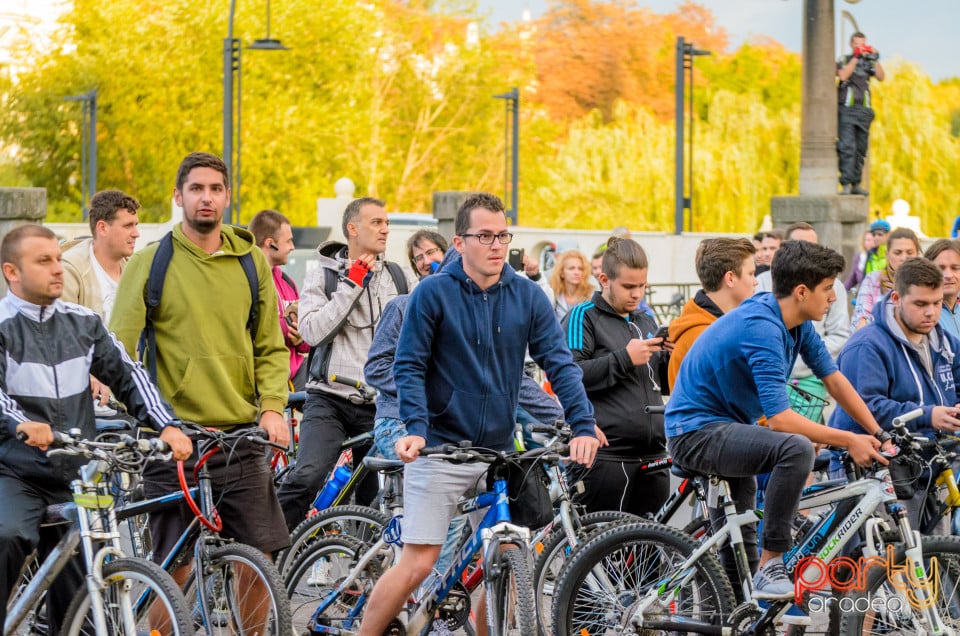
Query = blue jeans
x=386 y=432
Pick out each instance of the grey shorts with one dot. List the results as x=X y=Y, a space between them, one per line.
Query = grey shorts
x=431 y=489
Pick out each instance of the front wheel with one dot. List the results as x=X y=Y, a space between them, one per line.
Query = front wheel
x=511 y=610
x=885 y=606
x=243 y=594
x=139 y=597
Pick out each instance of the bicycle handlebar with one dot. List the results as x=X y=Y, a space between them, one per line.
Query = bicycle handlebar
x=653 y=409
x=367 y=392
x=255 y=434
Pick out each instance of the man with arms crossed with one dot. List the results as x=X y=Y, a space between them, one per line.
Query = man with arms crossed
x=458 y=366
x=736 y=375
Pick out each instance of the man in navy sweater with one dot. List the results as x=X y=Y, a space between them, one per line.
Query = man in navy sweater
x=458 y=365
x=736 y=375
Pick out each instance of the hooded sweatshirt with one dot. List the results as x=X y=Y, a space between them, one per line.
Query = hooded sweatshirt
x=208 y=366
x=699 y=313
x=341 y=327
x=460 y=357
x=889 y=374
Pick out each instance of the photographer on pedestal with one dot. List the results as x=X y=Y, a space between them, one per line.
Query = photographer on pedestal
x=854 y=111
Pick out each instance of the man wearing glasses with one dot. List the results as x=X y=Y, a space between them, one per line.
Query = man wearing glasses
x=458 y=365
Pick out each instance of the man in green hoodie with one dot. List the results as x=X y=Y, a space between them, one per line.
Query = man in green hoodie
x=213 y=369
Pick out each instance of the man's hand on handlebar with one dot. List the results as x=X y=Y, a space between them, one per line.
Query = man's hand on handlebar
x=38 y=434
x=583 y=449
x=865 y=449
x=276 y=427
x=408 y=447
x=180 y=445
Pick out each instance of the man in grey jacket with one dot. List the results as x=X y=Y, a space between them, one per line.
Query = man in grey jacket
x=834 y=329
x=340 y=305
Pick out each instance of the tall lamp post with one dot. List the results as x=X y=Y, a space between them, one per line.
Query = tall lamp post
x=88 y=148
x=513 y=111
x=682 y=200
x=231 y=65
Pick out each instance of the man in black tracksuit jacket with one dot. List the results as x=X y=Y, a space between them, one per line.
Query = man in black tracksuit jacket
x=624 y=368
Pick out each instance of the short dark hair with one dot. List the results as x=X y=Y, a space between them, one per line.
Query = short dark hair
x=799 y=225
x=717 y=256
x=857 y=34
x=774 y=234
x=940 y=246
x=803 y=263
x=105 y=204
x=622 y=252
x=201 y=160
x=352 y=211
x=266 y=224
x=483 y=200
x=920 y=272
x=10 y=247
x=424 y=235
x=903 y=233
x=758 y=236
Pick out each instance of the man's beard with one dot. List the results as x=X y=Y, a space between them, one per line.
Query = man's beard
x=201 y=226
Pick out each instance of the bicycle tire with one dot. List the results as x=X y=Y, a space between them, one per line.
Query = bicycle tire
x=634 y=558
x=553 y=552
x=511 y=609
x=359 y=522
x=698 y=528
x=881 y=617
x=315 y=575
x=238 y=574
x=120 y=574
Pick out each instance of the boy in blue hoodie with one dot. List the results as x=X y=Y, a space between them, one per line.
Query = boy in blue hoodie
x=457 y=370
x=905 y=360
x=736 y=375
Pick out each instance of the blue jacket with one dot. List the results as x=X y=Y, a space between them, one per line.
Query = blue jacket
x=888 y=374
x=460 y=357
x=737 y=370
x=378 y=371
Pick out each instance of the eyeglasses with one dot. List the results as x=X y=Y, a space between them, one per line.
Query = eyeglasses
x=430 y=252
x=486 y=238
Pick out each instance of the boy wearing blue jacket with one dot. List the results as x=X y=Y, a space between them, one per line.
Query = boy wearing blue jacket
x=736 y=375
x=457 y=370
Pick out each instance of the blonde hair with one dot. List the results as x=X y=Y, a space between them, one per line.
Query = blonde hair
x=585 y=289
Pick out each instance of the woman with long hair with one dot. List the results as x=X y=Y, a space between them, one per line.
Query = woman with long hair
x=570 y=282
x=902 y=244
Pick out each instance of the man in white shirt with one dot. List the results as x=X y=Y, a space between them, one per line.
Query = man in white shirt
x=92 y=267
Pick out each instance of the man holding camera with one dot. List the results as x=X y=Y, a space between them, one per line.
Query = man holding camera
x=855 y=113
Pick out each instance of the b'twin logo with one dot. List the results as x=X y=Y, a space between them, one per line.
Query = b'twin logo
x=844 y=574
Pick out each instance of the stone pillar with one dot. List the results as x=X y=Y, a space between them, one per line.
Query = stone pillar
x=839 y=220
x=19 y=206
x=445 y=206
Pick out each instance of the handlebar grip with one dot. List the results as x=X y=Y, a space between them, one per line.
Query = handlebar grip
x=368 y=392
x=543 y=428
x=901 y=420
x=22 y=436
x=442 y=449
x=654 y=409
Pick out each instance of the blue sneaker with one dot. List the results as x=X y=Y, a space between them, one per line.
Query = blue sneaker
x=793 y=616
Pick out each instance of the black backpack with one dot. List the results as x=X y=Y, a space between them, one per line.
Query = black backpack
x=155 y=279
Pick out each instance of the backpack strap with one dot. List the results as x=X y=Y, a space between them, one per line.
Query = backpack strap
x=399 y=280
x=154 y=292
x=289 y=281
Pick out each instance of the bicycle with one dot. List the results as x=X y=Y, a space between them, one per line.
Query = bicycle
x=337 y=606
x=121 y=595
x=236 y=588
x=283 y=460
x=644 y=576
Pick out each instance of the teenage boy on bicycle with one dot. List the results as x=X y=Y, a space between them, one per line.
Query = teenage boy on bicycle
x=458 y=365
x=736 y=375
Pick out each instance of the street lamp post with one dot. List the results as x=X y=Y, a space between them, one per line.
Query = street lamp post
x=88 y=148
x=683 y=201
x=231 y=65
x=513 y=111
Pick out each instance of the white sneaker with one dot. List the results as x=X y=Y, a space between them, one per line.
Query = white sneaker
x=771 y=581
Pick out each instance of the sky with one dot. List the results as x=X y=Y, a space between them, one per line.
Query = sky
x=923 y=32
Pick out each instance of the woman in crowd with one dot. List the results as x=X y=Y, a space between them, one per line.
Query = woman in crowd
x=902 y=244
x=857 y=272
x=570 y=282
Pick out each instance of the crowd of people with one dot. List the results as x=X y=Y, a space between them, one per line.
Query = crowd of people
x=204 y=326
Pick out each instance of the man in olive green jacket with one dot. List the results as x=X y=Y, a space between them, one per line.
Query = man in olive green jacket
x=211 y=368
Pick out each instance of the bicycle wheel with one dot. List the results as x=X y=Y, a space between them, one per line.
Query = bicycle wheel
x=553 y=552
x=315 y=576
x=511 y=609
x=359 y=522
x=887 y=610
x=608 y=574
x=138 y=595
x=243 y=594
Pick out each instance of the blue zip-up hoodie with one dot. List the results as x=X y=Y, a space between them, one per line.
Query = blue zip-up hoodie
x=888 y=374
x=460 y=357
x=737 y=369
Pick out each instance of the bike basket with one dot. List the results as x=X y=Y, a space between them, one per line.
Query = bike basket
x=806 y=403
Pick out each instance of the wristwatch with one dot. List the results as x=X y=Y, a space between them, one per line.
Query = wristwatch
x=883 y=436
